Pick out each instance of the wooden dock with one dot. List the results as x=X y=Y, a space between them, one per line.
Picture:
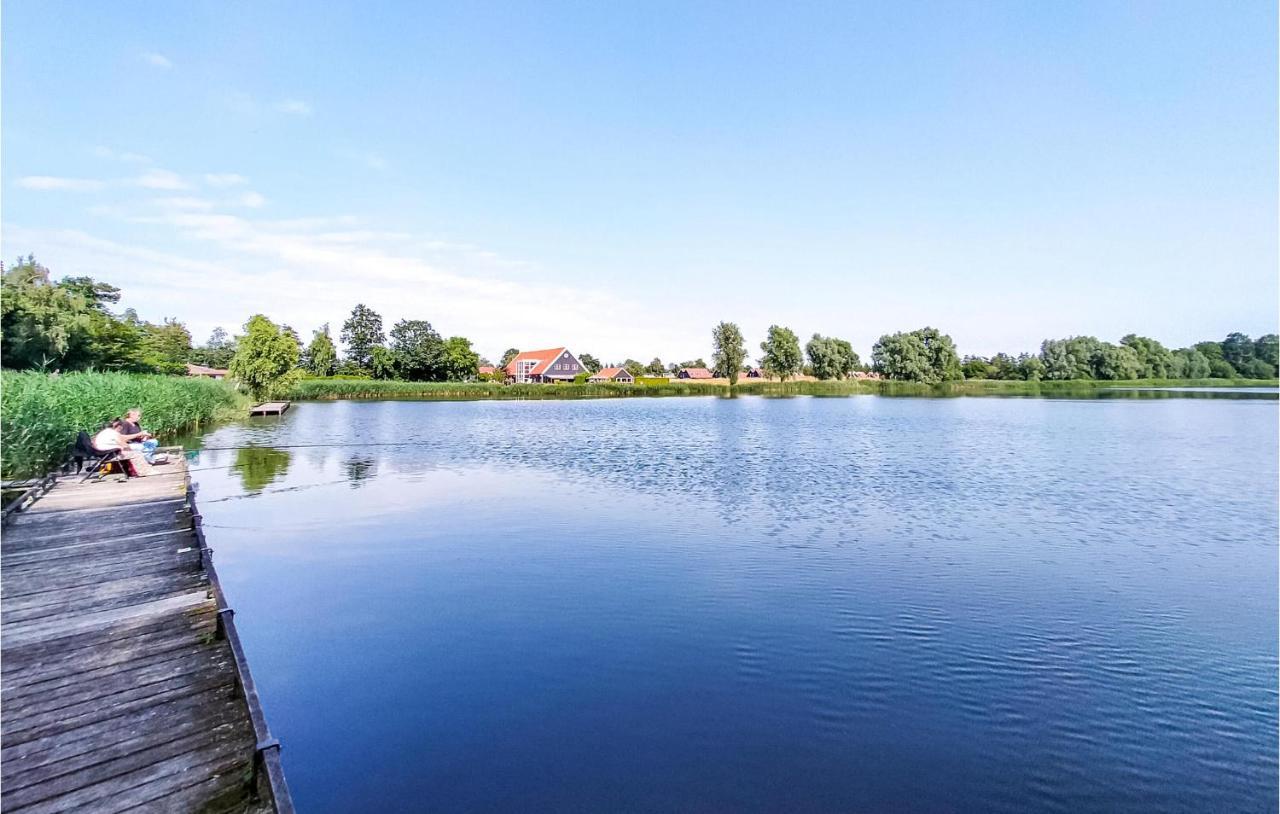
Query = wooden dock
x=124 y=684
x=269 y=408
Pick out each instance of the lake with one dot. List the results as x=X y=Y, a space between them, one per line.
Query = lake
x=754 y=604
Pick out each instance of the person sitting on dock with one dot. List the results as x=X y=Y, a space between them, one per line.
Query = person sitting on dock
x=111 y=437
x=139 y=439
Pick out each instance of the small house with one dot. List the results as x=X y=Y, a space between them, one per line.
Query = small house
x=613 y=374
x=206 y=372
x=694 y=373
x=486 y=370
x=753 y=373
x=544 y=366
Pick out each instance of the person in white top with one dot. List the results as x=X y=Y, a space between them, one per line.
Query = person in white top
x=110 y=437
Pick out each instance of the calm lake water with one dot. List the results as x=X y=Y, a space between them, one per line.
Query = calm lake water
x=804 y=604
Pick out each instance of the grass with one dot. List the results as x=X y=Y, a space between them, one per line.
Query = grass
x=41 y=414
x=316 y=389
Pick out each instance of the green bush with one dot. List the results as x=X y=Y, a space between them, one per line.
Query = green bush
x=40 y=414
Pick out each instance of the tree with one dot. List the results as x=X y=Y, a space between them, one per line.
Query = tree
x=782 y=356
x=264 y=356
x=1210 y=350
x=1267 y=348
x=321 y=355
x=1237 y=349
x=1154 y=359
x=216 y=352
x=902 y=356
x=508 y=356
x=1115 y=362
x=1221 y=369
x=729 y=352
x=167 y=346
x=923 y=355
x=1188 y=363
x=831 y=358
x=457 y=361
x=382 y=363
x=590 y=362
x=361 y=333
x=655 y=367
x=416 y=349
x=975 y=367
x=633 y=367
x=1255 y=368
x=1030 y=366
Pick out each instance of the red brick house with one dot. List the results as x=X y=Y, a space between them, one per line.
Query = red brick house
x=694 y=373
x=550 y=365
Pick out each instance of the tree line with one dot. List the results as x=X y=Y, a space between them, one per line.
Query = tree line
x=69 y=325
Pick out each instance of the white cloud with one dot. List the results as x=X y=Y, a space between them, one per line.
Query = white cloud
x=224 y=179
x=252 y=200
x=115 y=155
x=156 y=60
x=51 y=182
x=186 y=203
x=161 y=179
x=295 y=107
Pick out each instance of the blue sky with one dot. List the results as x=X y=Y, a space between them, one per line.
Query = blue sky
x=619 y=177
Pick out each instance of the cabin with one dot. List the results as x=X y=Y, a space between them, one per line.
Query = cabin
x=694 y=373
x=613 y=374
x=485 y=370
x=206 y=372
x=544 y=366
x=754 y=373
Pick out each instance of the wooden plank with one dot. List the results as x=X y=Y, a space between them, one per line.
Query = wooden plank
x=117 y=692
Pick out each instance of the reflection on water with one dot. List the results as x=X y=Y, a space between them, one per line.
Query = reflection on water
x=762 y=604
x=259 y=467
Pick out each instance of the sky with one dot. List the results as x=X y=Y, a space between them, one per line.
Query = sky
x=619 y=177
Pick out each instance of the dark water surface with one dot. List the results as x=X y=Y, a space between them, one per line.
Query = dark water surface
x=803 y=604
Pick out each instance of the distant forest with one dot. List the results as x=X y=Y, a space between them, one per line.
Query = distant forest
x=70 y=325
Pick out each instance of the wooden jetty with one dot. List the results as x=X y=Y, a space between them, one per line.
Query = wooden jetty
x=122 y=679
x=269 y=408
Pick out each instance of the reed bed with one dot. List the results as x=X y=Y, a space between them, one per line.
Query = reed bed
x=40 y=414
x=322 y=389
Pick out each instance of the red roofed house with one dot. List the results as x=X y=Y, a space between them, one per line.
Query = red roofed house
x=550 y=365
x=694 y=373
x=207 y=372
x=613 y=374
x=485 y=370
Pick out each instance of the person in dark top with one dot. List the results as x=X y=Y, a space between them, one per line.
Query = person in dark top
x=137 y=438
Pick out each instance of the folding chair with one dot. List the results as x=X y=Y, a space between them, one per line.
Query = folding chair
x=84 y=450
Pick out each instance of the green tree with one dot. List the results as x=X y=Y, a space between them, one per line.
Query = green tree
x=1256 y=368
x=655 y=367
x=216 y=352
x=416 y=349
x=1115 y=362
x=782 y=356
x=265 y=355
x=634 y=367
x=1267 y=348
x=168 y=346
x=1154 y=359
x=457 y=361
x=1237 y=349
x=1030 y=367
x=361 y=333
x=1210 y=350
x=923 y=355
x=321 y=356
x=382 y=364
x=511 y=354
x=729 y=351
x=975 y=367
x=831 y=358
x=590 y=362
x=1221 y=369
